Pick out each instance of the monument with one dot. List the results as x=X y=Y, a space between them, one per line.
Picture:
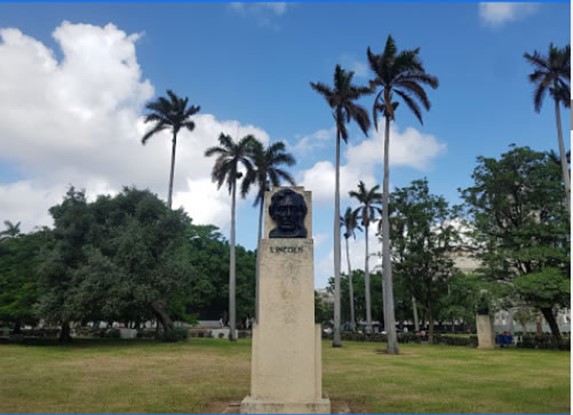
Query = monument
x=484 y=325
x=286 y=367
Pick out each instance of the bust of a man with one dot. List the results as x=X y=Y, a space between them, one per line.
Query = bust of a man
x=288 y=210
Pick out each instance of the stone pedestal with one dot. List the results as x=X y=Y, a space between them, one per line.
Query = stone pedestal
x=286 y=367
x=484 y=327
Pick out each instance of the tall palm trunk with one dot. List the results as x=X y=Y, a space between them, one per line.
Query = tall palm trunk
x=172 y=172
x=232 y=267
x=415 y=313
x=389 y=323
x=350 y=289
x=430 y=323
x=336 y=341
x=258 y=265
x=564 y=167
x=367 y=284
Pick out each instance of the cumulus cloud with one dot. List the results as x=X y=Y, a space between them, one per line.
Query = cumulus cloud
x=312 y=142
x=408 y=148
x=497 y=14
x=263 y=12
x=77 y=121
x=278 y=8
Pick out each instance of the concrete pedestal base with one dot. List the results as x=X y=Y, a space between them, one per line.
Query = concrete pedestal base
x=253 y=406
x=286 y=367
x=485 y=332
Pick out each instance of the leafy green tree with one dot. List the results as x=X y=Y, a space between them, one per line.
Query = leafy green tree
x=545 y=290
x=230 y=157
x=552 y=72
x=57 y=279
x=522 y=226
x=171 y=112
x=403 y=74
x=209 y=298
x=369 y=200
x=119 y=257
x=323 y=310
x=266 y=174
x=342 y=99
x=423 y=236
x=350 y=223
x=146 y=246
x=460 y=302
x=359 y=289
x=18 y=276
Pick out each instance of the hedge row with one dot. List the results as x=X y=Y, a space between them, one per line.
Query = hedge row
x=544 y=341
x=409 y=338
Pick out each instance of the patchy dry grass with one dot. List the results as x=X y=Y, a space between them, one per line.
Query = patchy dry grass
x=211 y=376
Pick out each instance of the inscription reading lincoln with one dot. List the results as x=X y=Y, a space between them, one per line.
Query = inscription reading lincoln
x=286 y=249
x=287 y=210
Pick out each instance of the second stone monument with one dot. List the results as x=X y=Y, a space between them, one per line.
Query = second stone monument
x=286 y=367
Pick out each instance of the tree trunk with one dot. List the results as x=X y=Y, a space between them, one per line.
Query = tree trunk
x=430 y=325
x=367 y=284
x=389 y=319
x=563 y=155
x=65 y=336
x=415 y=312
x=172 y=171
x=232 y=266
x=258 y=265
x=336 y=338
x=550 y=318
x=162 y=317
x=350 y=289
x=17 y=327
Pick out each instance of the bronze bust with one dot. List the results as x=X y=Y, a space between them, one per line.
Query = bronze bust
x=288 y=210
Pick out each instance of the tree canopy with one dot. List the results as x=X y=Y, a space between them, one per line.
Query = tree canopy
x=521 y=227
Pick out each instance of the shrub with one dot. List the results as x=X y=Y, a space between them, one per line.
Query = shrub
x=545 y=341
x=178 y=334
x=470 y=341
x=112 y=333
x=200 y=333
x=145 y=334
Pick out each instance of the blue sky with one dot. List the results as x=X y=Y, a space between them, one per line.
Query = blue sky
x=74 y=78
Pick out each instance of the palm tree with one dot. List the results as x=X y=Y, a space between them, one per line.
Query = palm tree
x=341 y=98
x=553 y=73
x=230 y=157
x=265 y=175
x=350 y=223
x=170 y=112
x=12 y=230
x=403 y=74
x=368 y=199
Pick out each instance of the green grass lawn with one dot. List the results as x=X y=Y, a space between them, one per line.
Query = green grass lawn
x=206 y=375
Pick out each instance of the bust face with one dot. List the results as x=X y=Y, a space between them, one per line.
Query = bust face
x=288 y=210
x=287 y=214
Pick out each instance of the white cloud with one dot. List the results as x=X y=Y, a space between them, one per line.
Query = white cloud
x=408 y=148
x=497 y=14
x=204 y=203
x=360 y=69
x=278 y=8
x=77 y=122
x=265 y=13
x=315 y=141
